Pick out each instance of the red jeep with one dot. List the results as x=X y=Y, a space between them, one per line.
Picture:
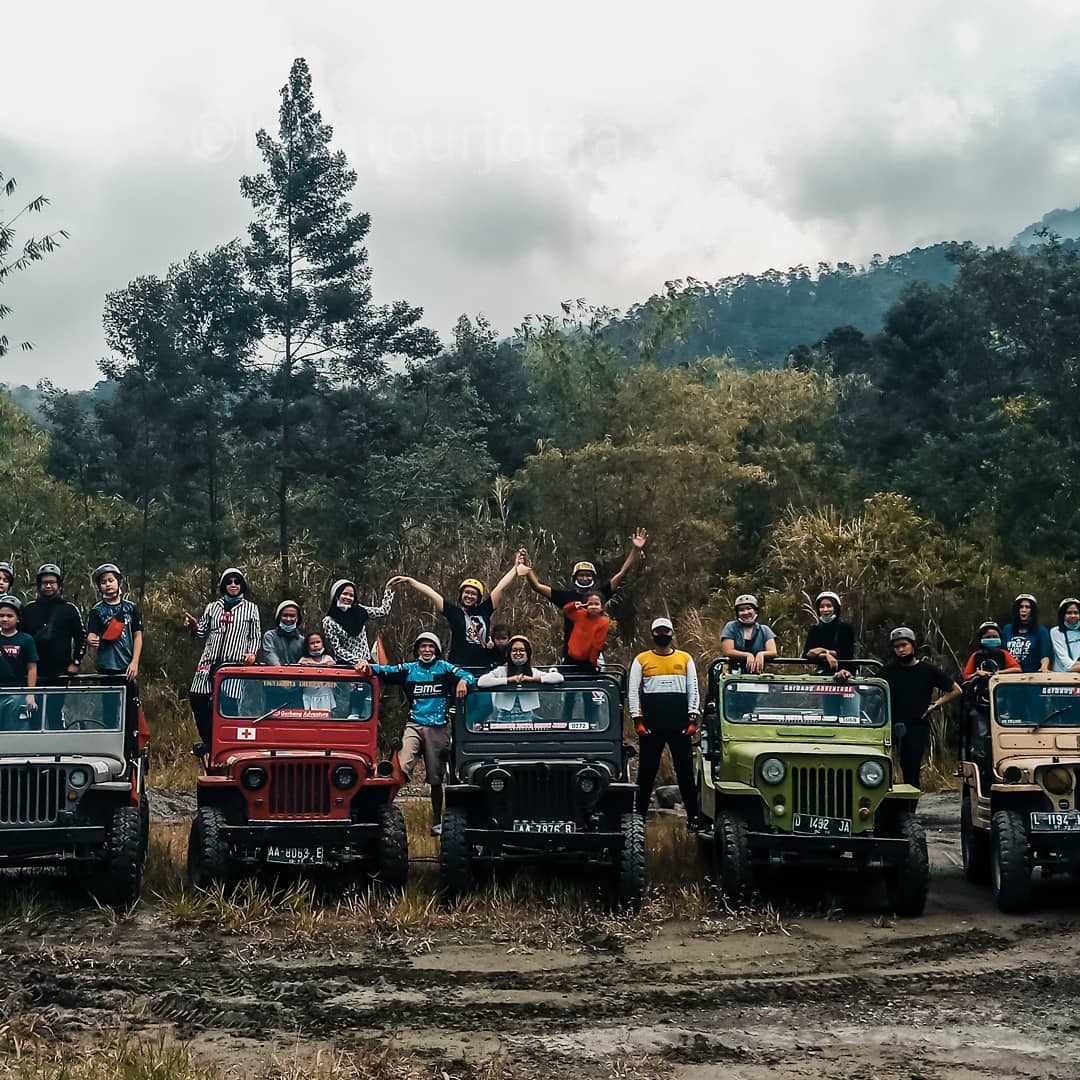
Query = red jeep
x=294 y=779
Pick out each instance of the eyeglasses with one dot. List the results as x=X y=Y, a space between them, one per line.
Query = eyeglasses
x=232 y=579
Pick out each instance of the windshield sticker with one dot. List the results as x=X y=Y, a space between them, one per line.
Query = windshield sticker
x=528 y=725
x=1060 y=691
x=246 y=734
x=300 y=714
x=825 y=688
x=751 y=688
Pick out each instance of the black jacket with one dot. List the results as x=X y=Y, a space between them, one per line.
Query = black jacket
x=58 y=631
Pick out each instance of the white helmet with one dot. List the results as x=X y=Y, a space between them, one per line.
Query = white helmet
x=747 y=598
x=429 y=637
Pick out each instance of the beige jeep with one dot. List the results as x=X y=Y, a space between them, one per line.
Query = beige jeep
x=1020 y=765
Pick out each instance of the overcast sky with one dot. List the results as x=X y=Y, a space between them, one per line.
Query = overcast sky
x=513 y=156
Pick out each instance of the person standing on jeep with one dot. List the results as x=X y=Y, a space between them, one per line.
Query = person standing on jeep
x=746 y=642
x=912 y=683
x=18 y=662
x=56 y=626
x=1025 y=638
x=1065 y=637
x=830 y=640
x=665 y=705
x=231 y=628
x=284 y=644
x=470 y=617
x=583 y=581
x=115 y=629
x=428 y=682
x=7 y=578
x=345 y=622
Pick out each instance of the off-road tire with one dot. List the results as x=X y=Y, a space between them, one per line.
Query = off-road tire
x=733 y=868
x=456 y=875
x=629 y=883
x=974 y=845
x=208 y=858
x=118 y=879
x=392 y=847
x=1010 y=865
x=907 y=883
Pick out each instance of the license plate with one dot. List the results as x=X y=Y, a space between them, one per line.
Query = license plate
x=544 y=826
x=1046 y=822
x=822 y=826
x=296 y=856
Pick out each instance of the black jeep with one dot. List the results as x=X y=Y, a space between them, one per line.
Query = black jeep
x=541 y=775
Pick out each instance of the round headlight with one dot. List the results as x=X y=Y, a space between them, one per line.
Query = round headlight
x=78 y=778
x=497 y=784
x=773 y=770
x=871 y=774
x=1013 y=775
x=253 y=777
x=586 y=782
x=344 y=777
x=1058 y=780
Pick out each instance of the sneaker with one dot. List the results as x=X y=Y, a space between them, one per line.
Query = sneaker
x=436 y=830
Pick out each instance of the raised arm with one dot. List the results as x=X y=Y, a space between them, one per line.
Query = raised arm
x=424 y=590
x=538 y=586
x=504 y=582
x=387 y=603
x=637 y=545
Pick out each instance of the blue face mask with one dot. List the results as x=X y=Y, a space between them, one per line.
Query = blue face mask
x=990 y=643
x=826 y=618
x=287 y=628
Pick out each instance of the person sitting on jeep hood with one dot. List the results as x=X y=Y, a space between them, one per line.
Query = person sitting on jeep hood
x=284 y=644
x=517 y=703
x=345 y=623
x=830 y=640
x=746 y=642
x=1065 y=637
x=427 y=682
x=989 y=655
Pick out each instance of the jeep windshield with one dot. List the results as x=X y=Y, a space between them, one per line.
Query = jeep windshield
x=520 y=711
x=306 y=697
x=1031 y=704
x=57 y=709
x=854 y=704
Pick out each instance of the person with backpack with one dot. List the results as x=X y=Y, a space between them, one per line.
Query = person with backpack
x=428 y=682
x=989 y=655
x=56 y=625
x=231 y=629
x=1025 y=638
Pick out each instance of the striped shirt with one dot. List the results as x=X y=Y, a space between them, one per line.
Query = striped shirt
x=663 y=689
x=230 y=636
x=354 y=648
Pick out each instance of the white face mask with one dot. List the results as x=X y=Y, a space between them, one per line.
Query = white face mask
x=343 y=605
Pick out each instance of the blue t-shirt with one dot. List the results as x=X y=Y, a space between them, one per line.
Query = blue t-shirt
x=16 y=652
x=115 y=656
x=734 y=631
x=1027 y=647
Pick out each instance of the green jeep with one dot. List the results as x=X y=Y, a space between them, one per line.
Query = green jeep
x=796 y=770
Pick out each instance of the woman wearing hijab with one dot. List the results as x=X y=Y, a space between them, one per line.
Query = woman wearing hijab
x=830 y=640
x=1065 y=637
x=231 y=629
x=345 y=622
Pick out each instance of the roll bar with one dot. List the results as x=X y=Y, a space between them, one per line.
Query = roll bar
x=801 y=661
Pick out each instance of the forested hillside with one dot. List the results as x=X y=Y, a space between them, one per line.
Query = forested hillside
x=923 y=462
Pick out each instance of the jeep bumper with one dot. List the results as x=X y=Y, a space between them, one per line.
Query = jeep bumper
x=340 y=841
x=801 y=849
x=502 y=844
x=59 y=841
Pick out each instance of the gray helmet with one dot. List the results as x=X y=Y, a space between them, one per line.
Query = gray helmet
x=50 y=568
x=9 y=568
x=106 y=568
x=429 y=637
x=232 y=571
x=13 y=602
x=902 y=633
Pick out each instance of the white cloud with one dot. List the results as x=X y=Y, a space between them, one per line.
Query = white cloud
x=512 y=157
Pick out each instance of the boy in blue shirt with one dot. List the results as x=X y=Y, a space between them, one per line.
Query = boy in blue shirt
x=18 y=663
x=115 y=629
x=427 y=683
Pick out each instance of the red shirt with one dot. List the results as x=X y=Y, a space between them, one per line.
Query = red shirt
x=588 y=635
x=969 y=668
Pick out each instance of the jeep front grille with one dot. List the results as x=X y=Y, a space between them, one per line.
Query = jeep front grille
x=823 y=792
x=31 y=794
x=299 y=789
x=542 y=793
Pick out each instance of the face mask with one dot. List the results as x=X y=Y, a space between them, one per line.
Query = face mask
x=990 y=643
x=1072 y=623
x=286 y=628
x=663 y=640
x=826 y=618
x=316 y=652
x=343 y=605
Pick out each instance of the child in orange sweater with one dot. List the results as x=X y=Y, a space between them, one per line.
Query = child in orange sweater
x=590 y=631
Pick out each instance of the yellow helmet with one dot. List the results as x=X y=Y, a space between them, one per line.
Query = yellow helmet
x=477 y=585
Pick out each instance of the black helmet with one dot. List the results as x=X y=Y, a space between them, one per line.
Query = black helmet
x=106 y=568
x=50 y=568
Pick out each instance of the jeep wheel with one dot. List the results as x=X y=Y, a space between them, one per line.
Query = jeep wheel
x=629 y=882
x=119 y=876
x=733 y=870
x=1010 y=868
x=456 y=877
x=393 y=847
x=208 y=858
x=974 y=845
x=908 y=882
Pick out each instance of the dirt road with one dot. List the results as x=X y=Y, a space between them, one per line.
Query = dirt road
x=963 y=992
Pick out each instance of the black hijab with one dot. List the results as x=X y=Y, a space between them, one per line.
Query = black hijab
x=355 y=618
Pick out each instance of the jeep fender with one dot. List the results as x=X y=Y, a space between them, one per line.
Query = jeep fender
x=460 y=794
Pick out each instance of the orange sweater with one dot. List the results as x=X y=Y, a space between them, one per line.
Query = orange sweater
x=588 y=635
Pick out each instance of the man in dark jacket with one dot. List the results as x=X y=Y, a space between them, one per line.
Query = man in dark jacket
x=56 y=626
